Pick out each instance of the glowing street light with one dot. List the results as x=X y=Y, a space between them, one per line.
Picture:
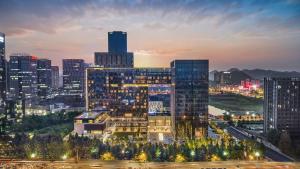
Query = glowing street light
x=257 y=154
x=193 y=153
x=64 y=157
x=32 y=155
x=225 y=153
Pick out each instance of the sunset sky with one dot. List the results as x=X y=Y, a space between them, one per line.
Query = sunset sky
x=230 y=33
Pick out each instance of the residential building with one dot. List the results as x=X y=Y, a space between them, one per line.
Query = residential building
x=282 y=105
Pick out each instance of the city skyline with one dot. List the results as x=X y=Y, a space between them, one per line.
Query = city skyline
x=242 y=34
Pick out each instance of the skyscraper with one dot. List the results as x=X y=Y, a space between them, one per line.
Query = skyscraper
x=2 y=82
x=73 y=76
x=44 y=78
x=23 y=79
x=2 y=72
x=189 y=99
x=55 y=77
x=117 y=55
x=282 y=105
x=117 y=42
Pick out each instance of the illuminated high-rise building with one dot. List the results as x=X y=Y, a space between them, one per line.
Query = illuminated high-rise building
x=282 y=105
x=2 y=82
x=117 y=55
x=44 y=78
x=73 y=76
x=2 y=72
x=189 y=99
x=123 y=92
x=22 y=82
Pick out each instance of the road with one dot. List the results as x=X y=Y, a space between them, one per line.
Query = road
x=269 y=153
x=97 y=164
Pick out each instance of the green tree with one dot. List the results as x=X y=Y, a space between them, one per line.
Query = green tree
x=285 y=142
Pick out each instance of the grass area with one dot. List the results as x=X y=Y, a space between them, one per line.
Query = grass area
x=233 y=102
x=57 y=123
x=62 y=129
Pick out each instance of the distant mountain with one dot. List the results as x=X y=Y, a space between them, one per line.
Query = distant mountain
x=261 y=73
x=237 y=76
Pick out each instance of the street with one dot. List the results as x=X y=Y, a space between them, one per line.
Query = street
x=86 y=164
x=269 y=153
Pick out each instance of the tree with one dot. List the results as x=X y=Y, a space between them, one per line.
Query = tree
x=108 y=156
x=273 y=136
x=180 y=158
x=285 y=142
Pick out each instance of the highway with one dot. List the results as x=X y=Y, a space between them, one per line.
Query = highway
x=269 y=152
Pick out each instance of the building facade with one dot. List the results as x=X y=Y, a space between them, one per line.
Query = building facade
x=3 y=83
x=189 y=101
x=124 y=93
x=117 y=55
x=73 y=76
x=22 y=82
x=44 y=77
x=54 y=77
x=2 y=72
x=117 y=42
x=282 y=105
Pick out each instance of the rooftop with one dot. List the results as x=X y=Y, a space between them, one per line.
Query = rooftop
x=88 y=115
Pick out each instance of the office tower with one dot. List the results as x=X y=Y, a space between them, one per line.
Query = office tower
x=282 y=105
x=2 y=72
x=44 y=78
x=189 y=99
x=73 y=76
x=55 y=77
x=2 y=83
x=117 y=42
x=22 y=72
x=123 y=92
x=117 y=55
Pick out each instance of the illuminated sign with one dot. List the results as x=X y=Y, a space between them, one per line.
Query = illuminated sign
x=1 y=39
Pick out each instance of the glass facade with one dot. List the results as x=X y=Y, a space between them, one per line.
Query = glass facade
x=117 y=42
x=124 y=93
x=190 y=98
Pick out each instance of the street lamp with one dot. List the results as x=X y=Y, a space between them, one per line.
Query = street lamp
x=32 y=155
x=257 y=154
x=225 y=153
x=64 y=157
x=192 y=153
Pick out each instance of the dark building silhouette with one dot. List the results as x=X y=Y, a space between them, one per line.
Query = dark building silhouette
x=117 y=55
x=73 y=76
x=189 y=101
x=44 y=78
x=282 y=105
x=55 y=77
